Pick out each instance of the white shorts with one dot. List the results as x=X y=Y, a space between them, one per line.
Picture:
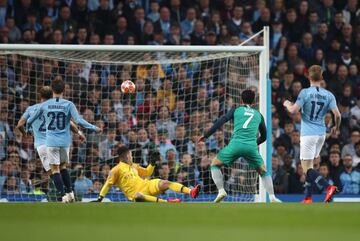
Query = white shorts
x=41 y=150
x=310 y=147
x=57 y=155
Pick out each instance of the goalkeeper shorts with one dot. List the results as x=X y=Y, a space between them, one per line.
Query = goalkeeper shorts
x=150 y=187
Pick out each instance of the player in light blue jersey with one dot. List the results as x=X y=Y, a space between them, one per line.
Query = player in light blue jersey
x=58 y=112
x=314 y=102
x=38 y=128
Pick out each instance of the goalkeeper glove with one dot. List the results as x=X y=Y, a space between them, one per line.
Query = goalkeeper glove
x=100 y=198
x=154 y=156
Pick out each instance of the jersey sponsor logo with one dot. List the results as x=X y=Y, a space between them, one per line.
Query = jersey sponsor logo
x=56 y=107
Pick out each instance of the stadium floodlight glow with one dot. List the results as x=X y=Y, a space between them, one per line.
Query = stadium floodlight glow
x=236 y=67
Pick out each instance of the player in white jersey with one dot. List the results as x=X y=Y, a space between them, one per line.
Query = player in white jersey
x=39 y=131
x=58 y=112
x=314 y=102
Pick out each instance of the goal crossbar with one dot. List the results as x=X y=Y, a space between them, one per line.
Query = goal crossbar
x=129 y=48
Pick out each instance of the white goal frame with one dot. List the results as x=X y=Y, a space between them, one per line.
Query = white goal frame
x=264 y=81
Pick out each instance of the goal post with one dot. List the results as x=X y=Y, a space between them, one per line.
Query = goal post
x=234 y=67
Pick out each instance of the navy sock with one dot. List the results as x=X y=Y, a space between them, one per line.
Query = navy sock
x=315 y=177
x=66 y=179
x=56 y=177
x=308 y=188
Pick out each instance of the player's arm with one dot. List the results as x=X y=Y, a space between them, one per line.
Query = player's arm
x=111 y=180
x=31 y=119
x=262 y=131
x=145 y=172
x=20 y=125
x=337 y=115
x=225 y=118
x=291 y=107
x=80 y=121
x=76 y=130
x=295 y=107
x=154 y=157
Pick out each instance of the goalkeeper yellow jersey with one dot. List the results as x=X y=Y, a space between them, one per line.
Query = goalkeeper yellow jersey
x=129 y=178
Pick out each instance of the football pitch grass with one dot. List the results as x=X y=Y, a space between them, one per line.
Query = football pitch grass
x=183 y=221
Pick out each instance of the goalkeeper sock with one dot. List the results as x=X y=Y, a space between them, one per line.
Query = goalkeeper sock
x=217 y=177
x=314 y=176
x=59 y=184
x=148 y=198
x=268 y=185
x=177 y=187
x=66 y=179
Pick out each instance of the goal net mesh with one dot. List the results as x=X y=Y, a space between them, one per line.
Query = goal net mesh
x=179 y=96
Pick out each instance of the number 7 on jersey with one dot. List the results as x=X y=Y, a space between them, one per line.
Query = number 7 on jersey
x=246 y=123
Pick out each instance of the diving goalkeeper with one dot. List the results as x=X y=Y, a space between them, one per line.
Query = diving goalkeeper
x=130 y=178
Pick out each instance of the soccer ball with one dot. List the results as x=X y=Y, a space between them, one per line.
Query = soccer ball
x=128 y=87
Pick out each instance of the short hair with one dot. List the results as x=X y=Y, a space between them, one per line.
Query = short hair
x=45 y=92
x=248 y=96
x=58 y=86
x=122 y=151
x=315 y=73
x=334 y=152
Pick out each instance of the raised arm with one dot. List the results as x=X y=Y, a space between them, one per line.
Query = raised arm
x=80 y=121
x=145 y=172
x=225 y=118
x=262 y=131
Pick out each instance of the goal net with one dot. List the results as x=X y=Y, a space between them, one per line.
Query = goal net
x=179 y=95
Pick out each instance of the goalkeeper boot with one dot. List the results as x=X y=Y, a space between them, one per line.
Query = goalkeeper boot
x=221 y=195
x=71 y=196
x=307 y=200
x=176 y=200
x=195 y=191
x=330 y=192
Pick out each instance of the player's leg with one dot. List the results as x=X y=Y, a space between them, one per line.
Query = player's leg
x=307 y=154
x=256 y=161
x=53 y=155
x=225 y=157
x=41 y=150
x=140 y=197
x=64 y=160
x=218 y=178
x=314 y=176
x=307 y=165
x=164 y=185
x=268 y=183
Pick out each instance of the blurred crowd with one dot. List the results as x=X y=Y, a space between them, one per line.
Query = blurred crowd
x=175 y=104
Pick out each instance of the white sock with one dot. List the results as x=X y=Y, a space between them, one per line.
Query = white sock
x=268 y=184
x=217 y=177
